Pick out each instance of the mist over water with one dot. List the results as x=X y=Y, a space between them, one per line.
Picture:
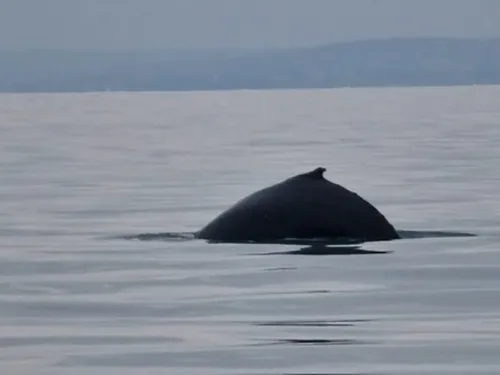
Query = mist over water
x=93 y=184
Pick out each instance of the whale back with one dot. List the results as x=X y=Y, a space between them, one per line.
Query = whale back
x=303 y=206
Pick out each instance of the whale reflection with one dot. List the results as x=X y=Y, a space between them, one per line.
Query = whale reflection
x=330 y=250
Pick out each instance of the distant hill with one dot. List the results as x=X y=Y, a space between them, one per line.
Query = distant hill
x=383 y=62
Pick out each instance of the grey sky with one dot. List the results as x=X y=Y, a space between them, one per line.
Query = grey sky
x=235 y=23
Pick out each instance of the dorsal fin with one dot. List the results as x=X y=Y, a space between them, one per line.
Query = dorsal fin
x=316 y=174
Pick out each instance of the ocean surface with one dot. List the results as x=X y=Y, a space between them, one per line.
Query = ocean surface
x=89 y=182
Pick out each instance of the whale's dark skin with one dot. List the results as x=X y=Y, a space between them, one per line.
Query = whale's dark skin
x=304 y=206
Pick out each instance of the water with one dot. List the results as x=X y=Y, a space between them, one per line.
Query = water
x=79 y=172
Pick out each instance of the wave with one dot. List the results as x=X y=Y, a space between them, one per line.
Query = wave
x=190 y=236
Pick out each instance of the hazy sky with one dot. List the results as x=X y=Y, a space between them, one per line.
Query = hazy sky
x=235 y=23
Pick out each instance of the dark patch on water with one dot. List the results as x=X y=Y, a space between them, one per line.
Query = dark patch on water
x=313 y=342
x=280 y=269
x=408 y=234
x=167 y=236
x=312 y=323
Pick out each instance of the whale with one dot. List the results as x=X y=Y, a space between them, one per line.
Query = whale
x=304 y=206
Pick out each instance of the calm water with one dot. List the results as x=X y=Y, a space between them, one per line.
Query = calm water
x=79 y=171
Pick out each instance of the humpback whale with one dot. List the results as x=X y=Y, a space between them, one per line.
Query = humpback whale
x=305 y=206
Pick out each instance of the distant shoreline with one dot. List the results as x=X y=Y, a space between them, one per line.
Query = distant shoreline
x=246 y=90
x=397 y=62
